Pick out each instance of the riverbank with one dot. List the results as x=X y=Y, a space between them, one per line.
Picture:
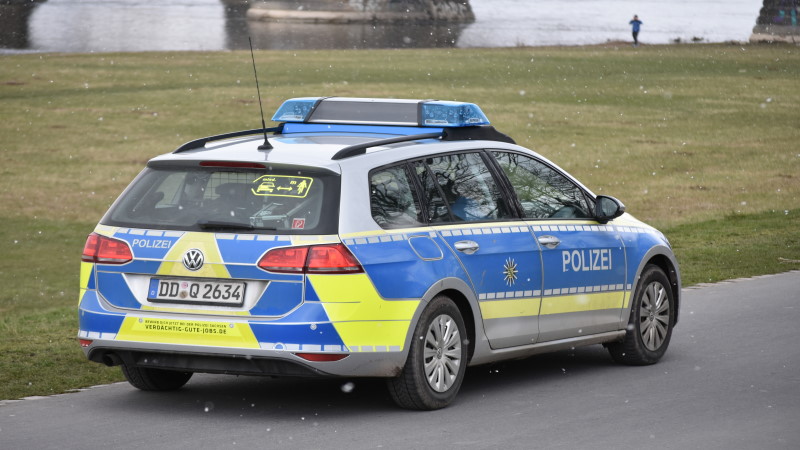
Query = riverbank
x=96 y=26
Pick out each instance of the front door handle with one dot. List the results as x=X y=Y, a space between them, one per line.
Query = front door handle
x=549 y=241
x=467 y=247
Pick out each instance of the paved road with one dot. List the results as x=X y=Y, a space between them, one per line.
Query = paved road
x=730 y=380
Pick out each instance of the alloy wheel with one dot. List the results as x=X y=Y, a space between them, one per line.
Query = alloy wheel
x=654 y=316
x=442 y=354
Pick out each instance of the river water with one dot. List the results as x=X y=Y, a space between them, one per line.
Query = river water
x=80 y=26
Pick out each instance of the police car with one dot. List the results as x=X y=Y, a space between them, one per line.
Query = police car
x=403 y=239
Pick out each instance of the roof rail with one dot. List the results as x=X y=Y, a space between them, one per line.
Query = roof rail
x=199 y=143
x=485 y=132
x=479 y=133
x=360 y=149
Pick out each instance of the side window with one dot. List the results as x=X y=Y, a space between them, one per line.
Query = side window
x=468 y=187
x=393 y=201
x=542 y=191
x=435 y=204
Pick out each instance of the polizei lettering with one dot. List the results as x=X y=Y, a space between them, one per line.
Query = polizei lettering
x=586 y=260
x=151 y=243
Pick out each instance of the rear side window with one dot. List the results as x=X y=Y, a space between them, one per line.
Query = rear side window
x=434 y=202
x=468 y=187
x=442 y=189
x=393 y=201
x=196 y=198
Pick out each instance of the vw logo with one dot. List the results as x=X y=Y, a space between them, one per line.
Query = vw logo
x=193 y=259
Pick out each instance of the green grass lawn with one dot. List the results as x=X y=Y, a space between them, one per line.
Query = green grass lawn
x=702 y=141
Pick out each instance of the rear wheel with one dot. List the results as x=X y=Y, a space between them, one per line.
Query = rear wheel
x=651 y=321
x=436 y=360
x=155 y=379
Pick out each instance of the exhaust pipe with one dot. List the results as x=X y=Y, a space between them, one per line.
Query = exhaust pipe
x=111 y=359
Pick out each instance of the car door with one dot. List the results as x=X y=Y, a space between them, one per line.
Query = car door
x=583 y=261
x=470 y=212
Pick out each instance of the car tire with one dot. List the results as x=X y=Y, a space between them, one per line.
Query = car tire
x=651 y=321
x=155 y=379
x=437 y=359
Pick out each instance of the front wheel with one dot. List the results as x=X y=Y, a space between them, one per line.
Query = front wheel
x=436 y=360
x=155 y=379
x=651 y=321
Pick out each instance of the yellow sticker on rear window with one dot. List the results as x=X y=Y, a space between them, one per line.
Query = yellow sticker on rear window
x=282 y=186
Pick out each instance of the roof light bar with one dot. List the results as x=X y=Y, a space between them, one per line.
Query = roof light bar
x=370 y=111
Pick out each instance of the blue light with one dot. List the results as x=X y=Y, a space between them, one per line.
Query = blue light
x=295 y=110
x=452 y=114
x=375 y=112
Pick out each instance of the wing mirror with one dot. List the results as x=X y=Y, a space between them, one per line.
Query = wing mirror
x=607 y=208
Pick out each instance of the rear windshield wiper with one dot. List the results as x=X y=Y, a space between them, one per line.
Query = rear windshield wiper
x=217 y=224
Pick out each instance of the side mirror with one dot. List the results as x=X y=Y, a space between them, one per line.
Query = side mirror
x=607 y=208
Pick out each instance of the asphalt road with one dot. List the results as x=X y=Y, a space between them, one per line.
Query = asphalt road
x=730 y=380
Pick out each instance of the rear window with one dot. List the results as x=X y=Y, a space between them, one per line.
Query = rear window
x=225 y=199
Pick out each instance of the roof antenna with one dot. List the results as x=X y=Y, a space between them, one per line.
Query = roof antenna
x=266 y=145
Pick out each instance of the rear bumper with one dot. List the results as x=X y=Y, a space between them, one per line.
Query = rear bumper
x=240 y=361
x=200 y=362
x=232 y=344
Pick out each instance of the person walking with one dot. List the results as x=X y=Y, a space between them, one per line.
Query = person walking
x=635 y=23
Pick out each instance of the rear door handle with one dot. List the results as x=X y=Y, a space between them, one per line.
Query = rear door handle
x=549 y=241
x=467 y=247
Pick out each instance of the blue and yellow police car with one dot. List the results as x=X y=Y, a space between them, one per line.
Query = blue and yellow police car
x=403 y=239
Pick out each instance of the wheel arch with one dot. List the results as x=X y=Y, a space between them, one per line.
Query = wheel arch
x=467 y=314
x=663 y=258
x=460 y=293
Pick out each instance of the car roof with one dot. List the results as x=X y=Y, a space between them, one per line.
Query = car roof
x=331 y=132
x=319 y=149
x=312 y=136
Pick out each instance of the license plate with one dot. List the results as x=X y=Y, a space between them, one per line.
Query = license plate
x=196 y=292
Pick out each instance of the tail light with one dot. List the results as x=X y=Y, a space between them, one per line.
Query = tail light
x=331 y=259
x=285 y=260
x=105 y=250
x=335 y=258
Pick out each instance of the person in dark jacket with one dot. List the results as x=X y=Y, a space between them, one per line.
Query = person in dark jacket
x=635 y=23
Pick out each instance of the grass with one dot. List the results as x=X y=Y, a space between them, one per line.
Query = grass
x=736 y=246
x=698 y=140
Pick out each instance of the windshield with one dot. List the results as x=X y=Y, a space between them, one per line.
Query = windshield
x=221 y=198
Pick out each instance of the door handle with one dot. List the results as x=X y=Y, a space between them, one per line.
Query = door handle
x=549 y=241
x=467 y=247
